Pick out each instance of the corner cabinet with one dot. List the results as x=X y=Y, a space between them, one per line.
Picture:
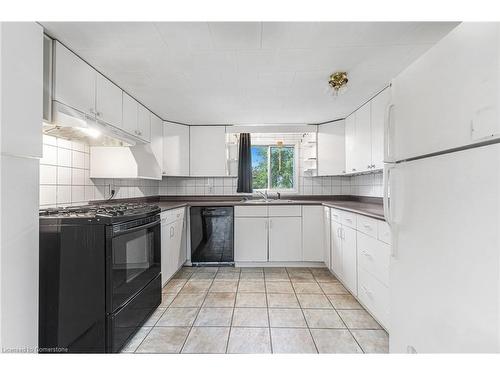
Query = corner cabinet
x=175 y=149
x=157 y=139
x=331 y=148
x=207 y=151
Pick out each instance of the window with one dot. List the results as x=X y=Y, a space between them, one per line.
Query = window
x=273 y=167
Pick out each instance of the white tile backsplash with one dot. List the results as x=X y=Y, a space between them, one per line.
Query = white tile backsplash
x=64 y=177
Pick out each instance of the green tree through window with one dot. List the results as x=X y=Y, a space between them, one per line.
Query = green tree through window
x=273 y=167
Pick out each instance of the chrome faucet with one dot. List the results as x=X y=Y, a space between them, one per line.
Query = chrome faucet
x=264 y=194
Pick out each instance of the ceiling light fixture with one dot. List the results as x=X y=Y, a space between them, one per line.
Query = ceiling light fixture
x=338 y=82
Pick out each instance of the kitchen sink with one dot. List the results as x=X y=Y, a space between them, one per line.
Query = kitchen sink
x=267 y=201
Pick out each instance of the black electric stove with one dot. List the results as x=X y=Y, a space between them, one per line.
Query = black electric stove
x=99 y=275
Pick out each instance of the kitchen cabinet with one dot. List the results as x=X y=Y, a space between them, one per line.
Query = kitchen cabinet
x=144 y=122
x=362 y=139
x=173 y=253
x=327 y=236
x=108 y=101
x=250 y=239
x=74 y=81
x=157 y=139
x=344 y=253
x=350 y=135
x=175 y=149
x=207 y=151
x=336 y=249
x=331 y=148
x=21 y=88
x=349 y=259
x=378 y=112
x=312 y=234
x=285 y=242
x=129 y=111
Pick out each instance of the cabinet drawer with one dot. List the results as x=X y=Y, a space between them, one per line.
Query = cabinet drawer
x=367 y=225
x=246 y=211
x=375 y=296
x=373 y=256
x=348 y=219
x=335 y=215
x=285 y=210
x=384 y=232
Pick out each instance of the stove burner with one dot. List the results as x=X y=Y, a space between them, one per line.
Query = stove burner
x=101 y=210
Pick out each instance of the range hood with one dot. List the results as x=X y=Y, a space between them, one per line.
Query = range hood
x=68 y=123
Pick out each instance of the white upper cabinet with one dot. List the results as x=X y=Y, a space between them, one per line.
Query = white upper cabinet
x=175 y=149
x=449 y=96
x=129 y=114
x=362 y=139
x=144 y=123
x=75 y=81
x=378 y=107
x=207 y=151
x=157 y=139
x=331 y=148
x=108 y=101
x=350 y=140
x=21 y=88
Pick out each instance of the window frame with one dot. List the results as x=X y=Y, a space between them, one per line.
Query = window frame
x=295 y=167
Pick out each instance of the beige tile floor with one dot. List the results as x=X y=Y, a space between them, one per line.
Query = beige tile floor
x=258 y=310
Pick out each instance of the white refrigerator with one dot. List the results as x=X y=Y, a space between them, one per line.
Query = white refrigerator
x=442 y=196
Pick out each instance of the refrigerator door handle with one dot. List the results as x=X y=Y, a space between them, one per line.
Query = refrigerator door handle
x=387 y=207
x=387 y=133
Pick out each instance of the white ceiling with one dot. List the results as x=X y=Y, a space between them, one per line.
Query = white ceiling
x=248 y=72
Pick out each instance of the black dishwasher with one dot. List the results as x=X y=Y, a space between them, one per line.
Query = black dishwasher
x=212 y=235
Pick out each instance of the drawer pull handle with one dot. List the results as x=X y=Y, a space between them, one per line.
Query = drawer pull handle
x=349 y=220
x=367 y=226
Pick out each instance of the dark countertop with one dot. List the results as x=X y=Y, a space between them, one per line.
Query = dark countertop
x=371 y=207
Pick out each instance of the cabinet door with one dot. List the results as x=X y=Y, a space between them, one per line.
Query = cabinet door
x=109 y=102
x=164 y=251
x=285 y=239
x=327 y=237
x=363 y=141
x=336 y=248
x=331 y=148
x=129 y=123
x=157 y=139
x=75 y=81
x=175 y=149
x=312 y=234
x=207 y=151
x=177 y=256
x=349 y=263
x=250 y=239
x=379 y=105
x=144 y=122
x=21 y=88
x=350 y=139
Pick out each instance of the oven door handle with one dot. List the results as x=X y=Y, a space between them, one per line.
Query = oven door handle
x=134 y=229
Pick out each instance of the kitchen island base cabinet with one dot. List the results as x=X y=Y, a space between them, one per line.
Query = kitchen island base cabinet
x=250 y=239
x=285 y=239
x=173 y=244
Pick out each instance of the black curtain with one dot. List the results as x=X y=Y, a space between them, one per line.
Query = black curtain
x=245 y=164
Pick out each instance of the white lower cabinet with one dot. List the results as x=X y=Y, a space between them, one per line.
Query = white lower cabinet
x=312 y=234
x=285 y=239
x=250 y=239
x=173 y=249
x=360 y=259
x=326 y=237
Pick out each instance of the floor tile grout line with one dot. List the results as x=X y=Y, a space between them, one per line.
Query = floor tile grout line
x=268 y=317
x=196 y=317
x=303 y=315
x=232 y=315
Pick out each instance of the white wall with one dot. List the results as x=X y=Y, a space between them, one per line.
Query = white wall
x=64 y=177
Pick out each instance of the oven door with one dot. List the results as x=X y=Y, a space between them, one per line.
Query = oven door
x=133 y=259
